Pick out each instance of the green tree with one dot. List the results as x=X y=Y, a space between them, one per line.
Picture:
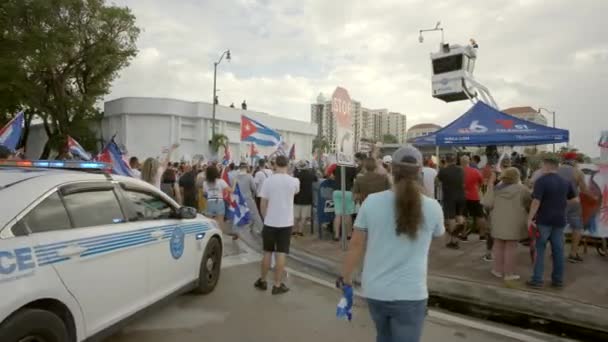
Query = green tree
x=58 y=60
x=389 y=139
x=321 y=144
x=217 y=141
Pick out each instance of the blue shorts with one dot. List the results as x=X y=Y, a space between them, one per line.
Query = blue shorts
x=215 y=207
x=574 y=216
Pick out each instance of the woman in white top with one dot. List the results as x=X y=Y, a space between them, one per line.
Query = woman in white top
x=214 y=188
x=152 y=170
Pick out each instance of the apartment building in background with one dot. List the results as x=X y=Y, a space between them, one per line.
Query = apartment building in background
x=368 y=124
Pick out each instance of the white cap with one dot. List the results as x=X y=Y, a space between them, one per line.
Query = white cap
x=387 y=159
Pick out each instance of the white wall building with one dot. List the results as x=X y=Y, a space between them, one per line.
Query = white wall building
x=146 y=126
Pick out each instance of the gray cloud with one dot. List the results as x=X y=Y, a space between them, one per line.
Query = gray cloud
x=550 y=53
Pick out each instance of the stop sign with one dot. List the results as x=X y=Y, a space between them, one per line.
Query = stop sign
x=340 y=106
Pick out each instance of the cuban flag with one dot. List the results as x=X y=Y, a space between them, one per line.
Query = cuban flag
x=236 y=208
x=10 y=134
x=255 y=132
x=77 y=150
x=112 y=155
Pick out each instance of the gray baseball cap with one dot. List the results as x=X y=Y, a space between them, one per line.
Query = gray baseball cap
x=407 y=155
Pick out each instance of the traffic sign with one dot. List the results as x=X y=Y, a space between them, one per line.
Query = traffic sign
x=341 y=107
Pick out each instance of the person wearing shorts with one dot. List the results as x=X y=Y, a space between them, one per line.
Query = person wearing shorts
x=277 y=209
x=344 y=206
x=213 y=189
x=574 y=211
x=452 y=186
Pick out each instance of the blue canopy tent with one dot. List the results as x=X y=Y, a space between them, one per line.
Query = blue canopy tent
x=483 y=125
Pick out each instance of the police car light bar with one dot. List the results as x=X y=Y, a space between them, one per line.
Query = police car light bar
x=57 y=164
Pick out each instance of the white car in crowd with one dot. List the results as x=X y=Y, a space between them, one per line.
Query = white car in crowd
x=81 y=252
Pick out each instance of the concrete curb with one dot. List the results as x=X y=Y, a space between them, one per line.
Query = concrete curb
x=528 y=303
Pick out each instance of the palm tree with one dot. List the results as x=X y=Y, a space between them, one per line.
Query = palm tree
x=321 y=144
x=217 y=141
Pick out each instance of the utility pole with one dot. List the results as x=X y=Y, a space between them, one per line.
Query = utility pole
x=215 y=64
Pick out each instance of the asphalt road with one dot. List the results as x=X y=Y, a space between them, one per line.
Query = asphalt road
x=236 y=311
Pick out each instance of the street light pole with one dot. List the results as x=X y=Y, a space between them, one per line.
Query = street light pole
x=215 y=64
x=552 y=112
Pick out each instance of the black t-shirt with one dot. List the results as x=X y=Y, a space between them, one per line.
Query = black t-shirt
x=188 y=182
x=452 y=182
x=306 y=177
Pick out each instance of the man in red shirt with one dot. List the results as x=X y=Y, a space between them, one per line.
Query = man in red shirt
x=473 y=180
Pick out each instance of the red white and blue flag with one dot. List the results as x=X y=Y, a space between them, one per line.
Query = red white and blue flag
x=227 y=155
x=236 y=208
x=252 y=150
x=10 y=134
x=112 y=155
x=255 y=132
x=77 y=150
x=292 y=152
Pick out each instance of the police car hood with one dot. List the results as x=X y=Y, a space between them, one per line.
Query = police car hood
x=19 y=187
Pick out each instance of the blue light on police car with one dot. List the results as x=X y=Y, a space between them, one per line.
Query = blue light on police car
x=40 y=163
x=91 y=165
x=200 y=236
x=58 y=164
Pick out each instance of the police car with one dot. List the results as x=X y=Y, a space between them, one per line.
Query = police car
x=80 y=252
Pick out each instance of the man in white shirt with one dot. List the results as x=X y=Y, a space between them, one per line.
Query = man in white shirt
x=277 y=195
x=429 y=175
x=258 y=179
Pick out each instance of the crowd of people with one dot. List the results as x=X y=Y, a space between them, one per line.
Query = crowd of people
x=398 y=204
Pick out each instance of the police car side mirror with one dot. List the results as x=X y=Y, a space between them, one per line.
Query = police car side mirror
x=186 y=213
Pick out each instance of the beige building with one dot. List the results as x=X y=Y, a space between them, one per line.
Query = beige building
x=527 y=113
x=422 y=130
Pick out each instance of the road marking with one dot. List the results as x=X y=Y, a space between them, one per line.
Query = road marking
x=451 y=318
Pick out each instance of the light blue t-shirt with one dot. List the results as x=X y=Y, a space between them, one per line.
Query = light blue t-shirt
x=395 y=267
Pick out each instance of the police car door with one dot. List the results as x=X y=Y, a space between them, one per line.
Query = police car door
x=101 y=259
x=175 y=255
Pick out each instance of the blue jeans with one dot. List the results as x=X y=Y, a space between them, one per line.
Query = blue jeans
x=398 y=321
x=556 y=236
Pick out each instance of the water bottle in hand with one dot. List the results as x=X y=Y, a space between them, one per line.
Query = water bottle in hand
x=345 y=305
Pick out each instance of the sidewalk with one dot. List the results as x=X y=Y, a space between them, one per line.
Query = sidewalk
x=463 y=275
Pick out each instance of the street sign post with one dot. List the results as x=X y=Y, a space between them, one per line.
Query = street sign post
x=345 y=141
x=341 y=107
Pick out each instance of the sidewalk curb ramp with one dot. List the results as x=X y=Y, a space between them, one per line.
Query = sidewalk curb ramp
x=538 y=304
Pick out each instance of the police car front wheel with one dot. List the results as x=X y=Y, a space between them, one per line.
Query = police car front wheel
x=33 y=325
x=209 y=272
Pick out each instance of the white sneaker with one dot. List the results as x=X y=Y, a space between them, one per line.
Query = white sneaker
x=497 y=274
x=512 y=277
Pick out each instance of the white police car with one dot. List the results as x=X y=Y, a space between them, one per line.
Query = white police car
x=80 y=252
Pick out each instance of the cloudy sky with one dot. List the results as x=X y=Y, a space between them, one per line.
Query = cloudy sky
x=547 y=53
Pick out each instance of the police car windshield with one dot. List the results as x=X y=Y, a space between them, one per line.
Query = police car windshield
x=10 y=177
